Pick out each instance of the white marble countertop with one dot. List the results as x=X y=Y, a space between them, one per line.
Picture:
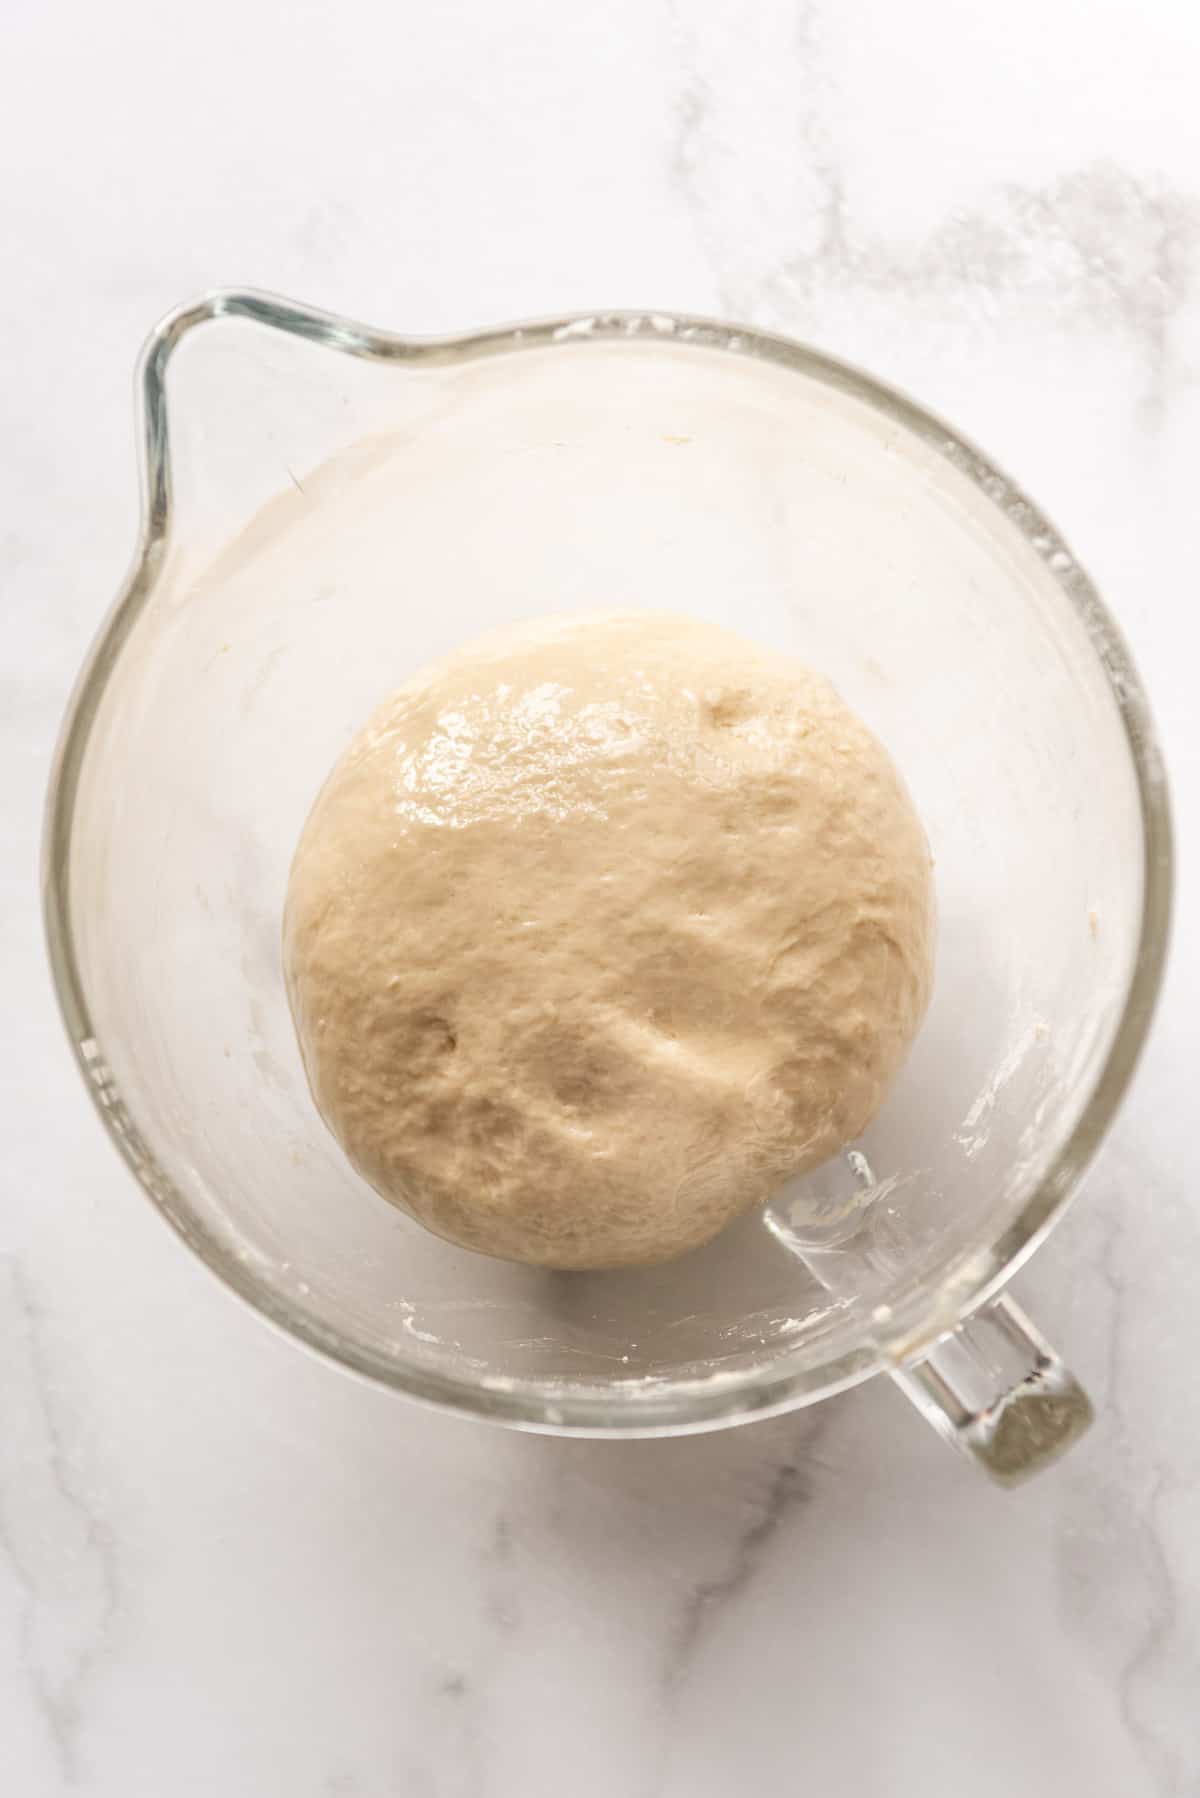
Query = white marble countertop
x=226 y=1567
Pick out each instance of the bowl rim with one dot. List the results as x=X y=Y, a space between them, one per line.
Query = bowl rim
x=619 y=1408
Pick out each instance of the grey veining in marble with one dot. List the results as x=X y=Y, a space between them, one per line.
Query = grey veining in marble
x=1096 y=244
x=58 y=1548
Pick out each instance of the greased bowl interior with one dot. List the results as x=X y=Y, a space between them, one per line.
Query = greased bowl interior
x=318 y=526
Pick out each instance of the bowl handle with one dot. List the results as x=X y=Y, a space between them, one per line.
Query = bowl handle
x=996 y=1389
x=990 y=1385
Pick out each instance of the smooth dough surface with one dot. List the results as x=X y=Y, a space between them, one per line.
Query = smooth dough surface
x=599 y=930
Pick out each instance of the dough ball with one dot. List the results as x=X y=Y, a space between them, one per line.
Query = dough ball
x=599 y=930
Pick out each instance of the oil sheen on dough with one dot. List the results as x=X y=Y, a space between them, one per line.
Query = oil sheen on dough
x=599 y=930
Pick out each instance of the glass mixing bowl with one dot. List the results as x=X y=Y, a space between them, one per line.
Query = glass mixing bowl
x=326 y=509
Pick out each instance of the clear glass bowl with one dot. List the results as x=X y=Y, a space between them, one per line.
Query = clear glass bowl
x=326 y=509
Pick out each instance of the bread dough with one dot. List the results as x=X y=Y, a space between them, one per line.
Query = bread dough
x=600 y=929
